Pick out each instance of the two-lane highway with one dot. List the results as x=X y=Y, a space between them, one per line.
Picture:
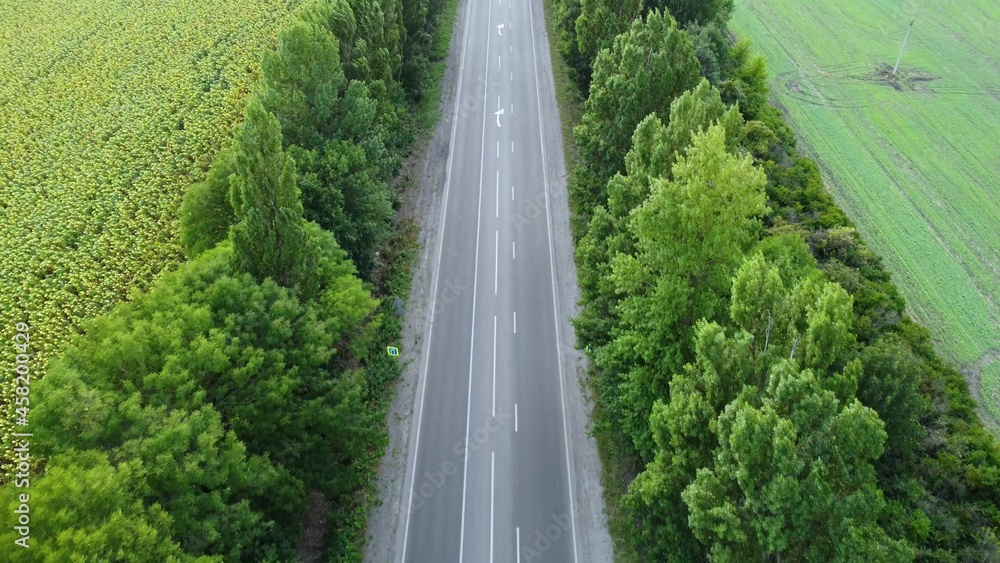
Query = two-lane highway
x=489 y=475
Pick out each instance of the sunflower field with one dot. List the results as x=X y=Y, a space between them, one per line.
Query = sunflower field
x=110 y=109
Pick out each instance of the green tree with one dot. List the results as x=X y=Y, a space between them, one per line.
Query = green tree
x=567 y=12
x=206 y=213
x=268 y=237
x=793 y=479
x=342 y=193
x=234 y=395
x=695 y=11
x=684 y=430
x=600 y=21
x=193 y=468
x=85 y=509
x=645 y=69
x=300 y=83
x=655 y=149
x=337 y=17
x=775 y=316
x=890 y=386
x=690 y=237
x=379 y=39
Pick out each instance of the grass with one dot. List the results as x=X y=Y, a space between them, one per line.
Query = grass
x=913 y=160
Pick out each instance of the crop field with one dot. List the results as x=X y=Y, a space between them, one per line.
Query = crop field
x=913 y=159
x=109 y=109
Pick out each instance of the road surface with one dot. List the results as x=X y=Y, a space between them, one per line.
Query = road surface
x=489 y=476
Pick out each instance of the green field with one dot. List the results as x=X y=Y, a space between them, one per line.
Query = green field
x=913 y=160
x=109 y=110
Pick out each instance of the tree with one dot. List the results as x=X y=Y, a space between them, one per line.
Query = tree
x=695 y=11
x=684 y=430
x=301 y=80
x=337 y=17
x=690 y=237
x=234 y=395
x=377 y=44
x=793 y=479
x=890 y=386
x=206 y=213
x=84 y=508
x=567 y=12
x=763 y=451
x=342 y=194
x=600 y=21
x=655 y=149
x=644 y=70
x=268 y=237
x=195 y=470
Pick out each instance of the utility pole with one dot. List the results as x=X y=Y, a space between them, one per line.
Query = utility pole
x=908 y=30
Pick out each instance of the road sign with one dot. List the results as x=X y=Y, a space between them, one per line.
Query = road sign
x=392 y=350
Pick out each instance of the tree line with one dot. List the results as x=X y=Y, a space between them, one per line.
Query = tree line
x=196 y=421
x=754 y=366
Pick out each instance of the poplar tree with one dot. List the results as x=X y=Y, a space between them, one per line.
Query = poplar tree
x=268 y=237
x=644 y=70
x=690 y=238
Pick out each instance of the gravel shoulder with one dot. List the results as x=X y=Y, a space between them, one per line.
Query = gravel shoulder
x=422 y=202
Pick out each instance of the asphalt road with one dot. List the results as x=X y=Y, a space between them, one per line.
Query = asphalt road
x=489 y=477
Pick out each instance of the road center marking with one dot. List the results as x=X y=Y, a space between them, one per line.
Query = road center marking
x=472 y=341
x=494 y=366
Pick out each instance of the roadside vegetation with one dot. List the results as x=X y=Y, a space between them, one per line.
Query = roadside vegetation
x=761 y=392
x=108 y=114
x=235 y=410
x=912 y=158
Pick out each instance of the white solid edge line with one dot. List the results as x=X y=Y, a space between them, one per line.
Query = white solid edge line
x=552 y=264
x=518 y=544
x=437 y=271
x=475 y=283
